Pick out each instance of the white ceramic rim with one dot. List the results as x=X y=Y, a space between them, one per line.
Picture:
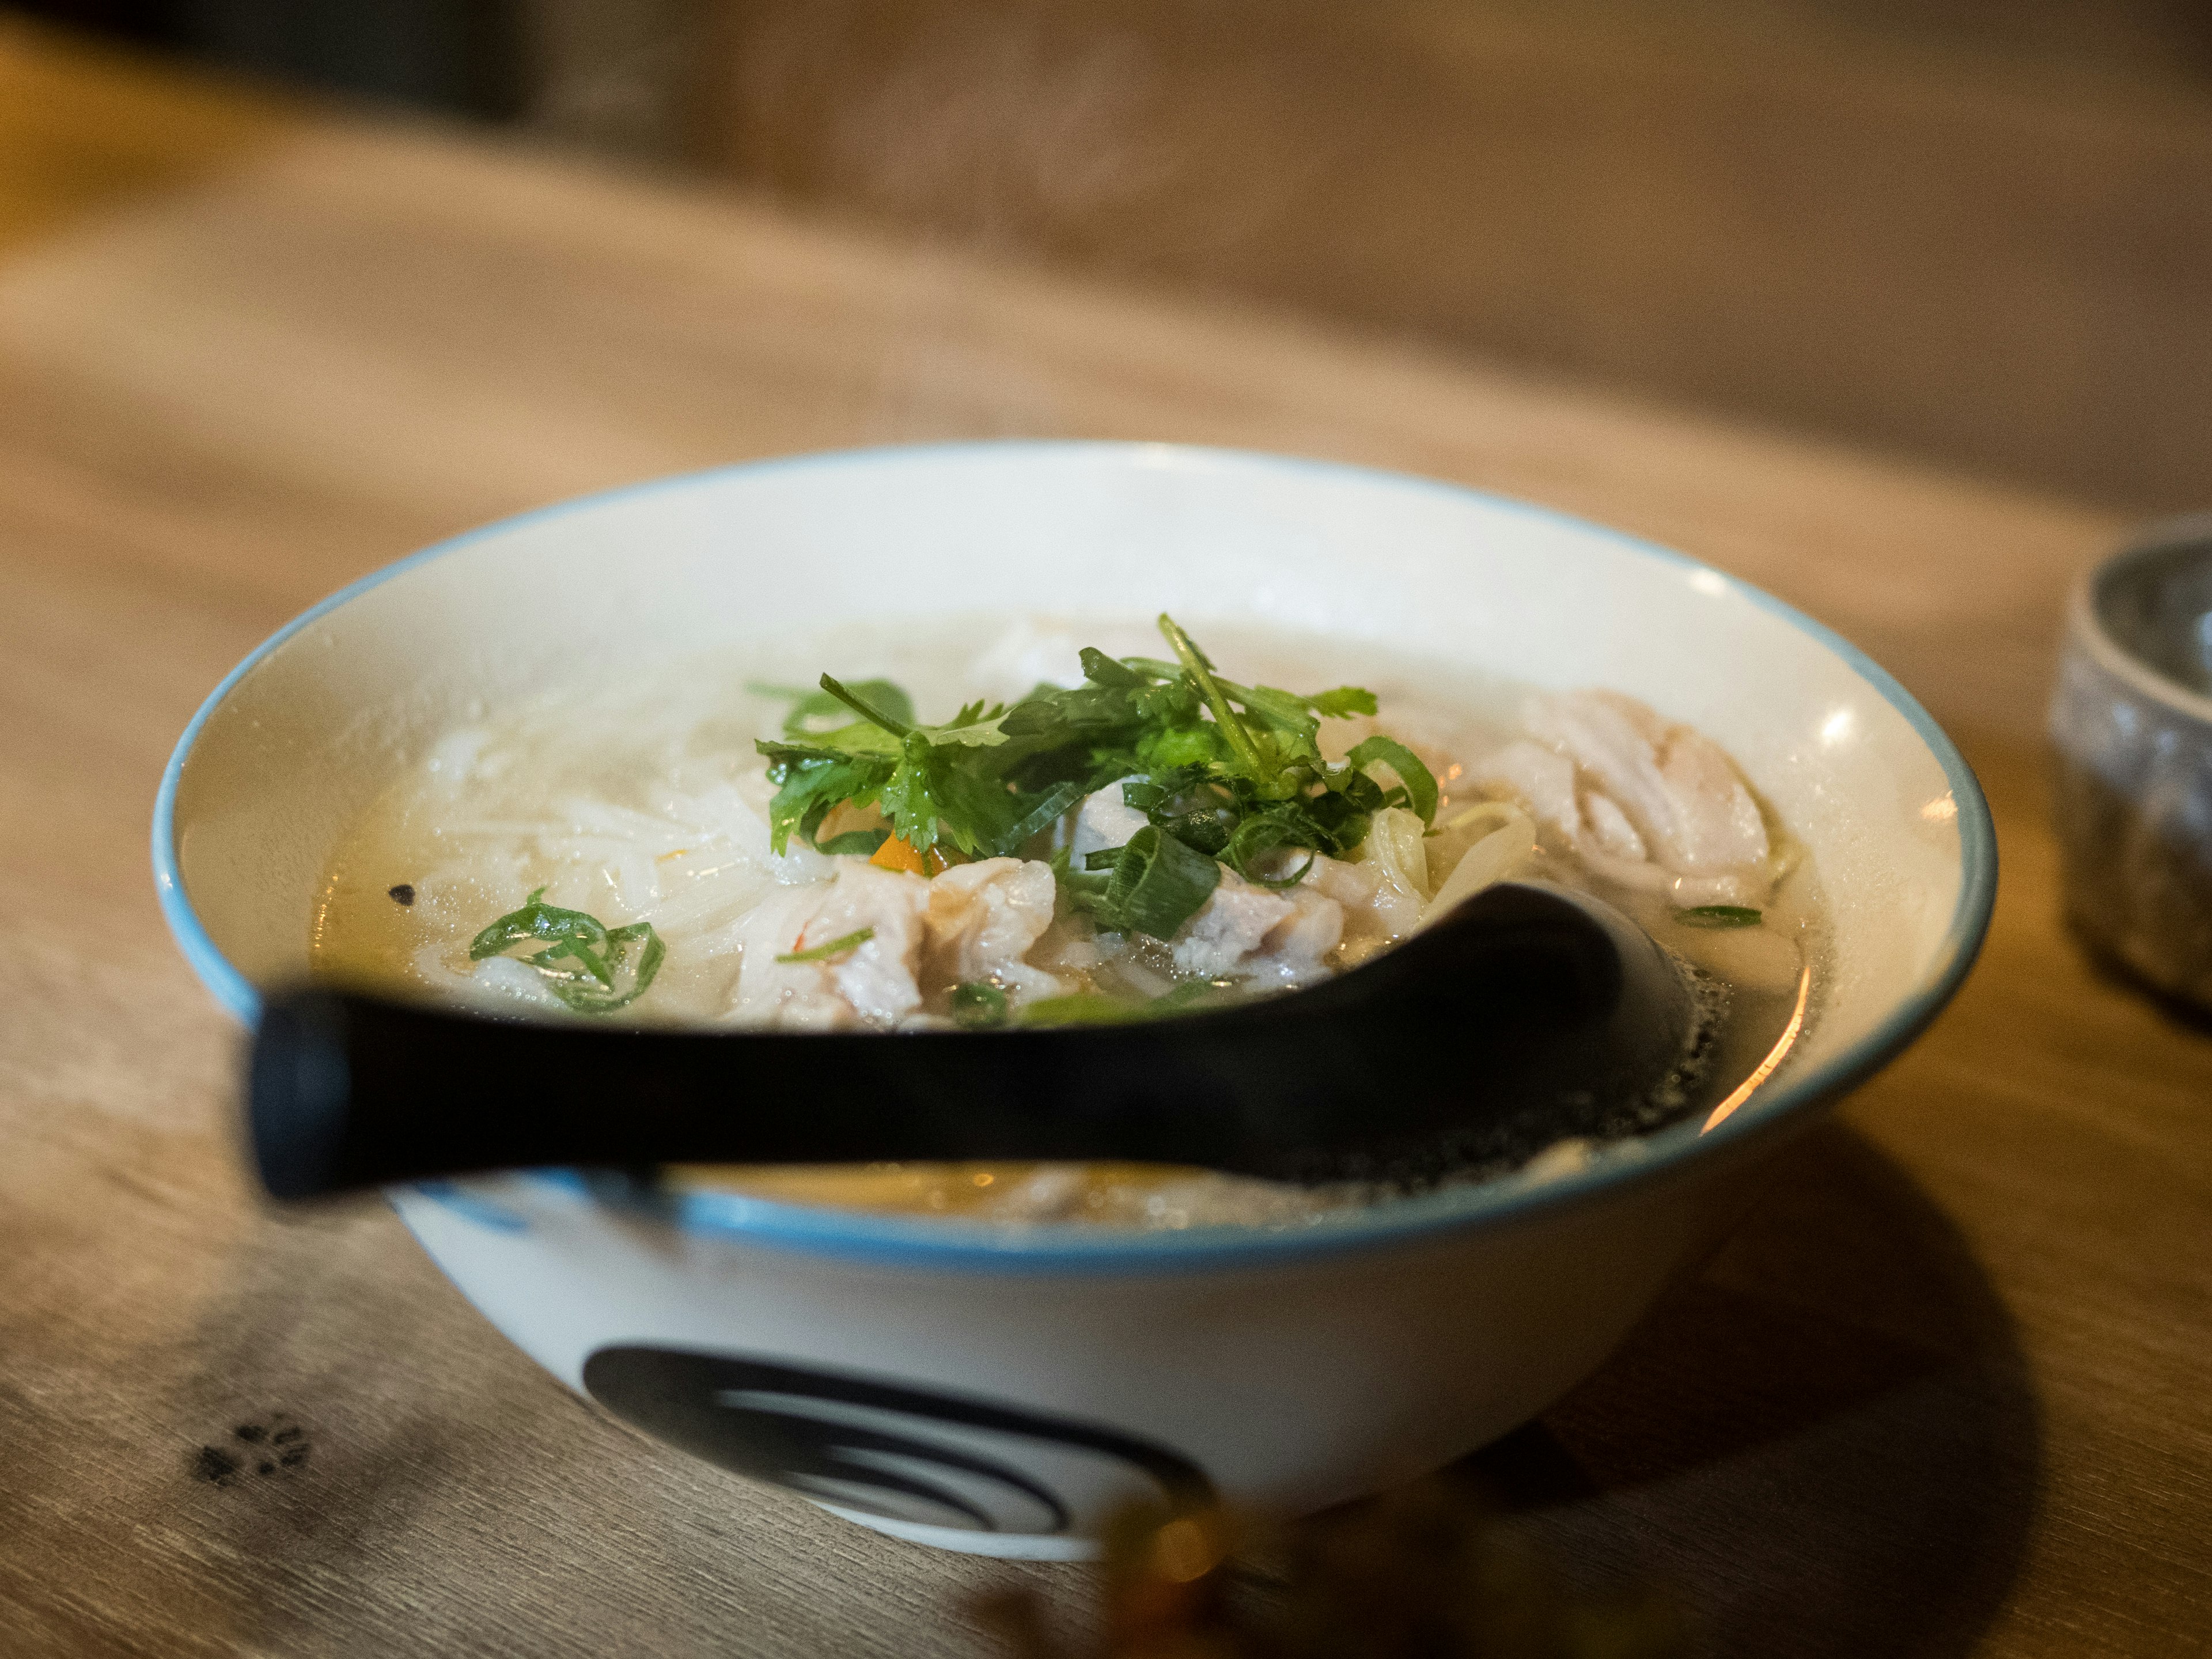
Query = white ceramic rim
x=2109 y=655
x=922 y=1242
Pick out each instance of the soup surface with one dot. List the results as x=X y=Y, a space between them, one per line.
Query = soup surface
x=697 y=843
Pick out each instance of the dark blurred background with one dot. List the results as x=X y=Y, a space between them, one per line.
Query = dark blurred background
x=1975 y=231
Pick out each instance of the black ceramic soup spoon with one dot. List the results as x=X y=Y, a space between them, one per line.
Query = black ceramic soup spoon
x=1527 y=1014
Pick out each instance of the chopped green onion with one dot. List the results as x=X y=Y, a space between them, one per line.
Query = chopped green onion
x=1719 y=915
x=1097 y=1008
x=1083 y=1008
x=1191 y=997
x=1258 y=837
x=600 y=954
x=1419 y=783
x=1054 y=804
x=979 y=1005
x=1221 y=771
x=1159 y=883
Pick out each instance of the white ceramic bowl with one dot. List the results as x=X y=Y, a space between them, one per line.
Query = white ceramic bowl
x=1003 y=1390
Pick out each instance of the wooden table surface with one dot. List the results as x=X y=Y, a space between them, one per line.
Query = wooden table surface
x=1947 y=1393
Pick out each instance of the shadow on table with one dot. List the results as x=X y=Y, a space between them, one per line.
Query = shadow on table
x=1824 y=1442
x=2109 y=970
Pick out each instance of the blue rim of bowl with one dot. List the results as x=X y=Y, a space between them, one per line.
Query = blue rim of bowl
x=923 y=1242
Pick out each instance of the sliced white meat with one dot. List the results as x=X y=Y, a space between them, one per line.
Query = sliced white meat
x=1296 y=952
x=984 y=919
x=1719 y=829
x=1104 y=821
x=1378 y=900
x=873 y=984
x=1232 y=924
x=1609 y=827
x=1246 y=931
x=1671 y=784
x=1542 y=780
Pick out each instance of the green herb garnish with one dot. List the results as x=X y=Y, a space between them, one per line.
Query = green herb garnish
x=809 y=707
x=1097 y=1008
x=861 y=843
x=1415 y=781
x=979 y=1005
x=933 y=782
x=835 y=947
x=1223 y=773
x=1719 y=915
x=1152 y=885
x=585 y=963
x=1082 y=1008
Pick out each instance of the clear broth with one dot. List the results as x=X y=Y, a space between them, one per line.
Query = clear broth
x=622 y=802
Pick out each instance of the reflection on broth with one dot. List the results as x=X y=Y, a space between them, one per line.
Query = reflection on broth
x=1126 y=834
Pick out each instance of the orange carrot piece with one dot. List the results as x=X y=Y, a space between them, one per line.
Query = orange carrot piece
x=896 y=854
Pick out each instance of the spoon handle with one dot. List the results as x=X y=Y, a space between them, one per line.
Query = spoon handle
x=348 y=1092
x=1528 y=1014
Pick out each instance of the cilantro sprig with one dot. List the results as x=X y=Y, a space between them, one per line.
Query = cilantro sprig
x=585 y=962
x=1225 y=774
x=932 y=783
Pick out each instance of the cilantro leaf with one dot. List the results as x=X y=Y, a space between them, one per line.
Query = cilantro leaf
x=855 y=843
x=1344 y=701
x=932 y=792
x=808 y=706
x=1223 y=772
x=884 y=719
x=1253 y=755
x=1174 y=746
x=809 y=783
x=1102 y=670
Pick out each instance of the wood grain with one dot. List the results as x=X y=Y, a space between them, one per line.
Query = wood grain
x=83 y=124
x=1842 y=216
x=1944 y=1395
